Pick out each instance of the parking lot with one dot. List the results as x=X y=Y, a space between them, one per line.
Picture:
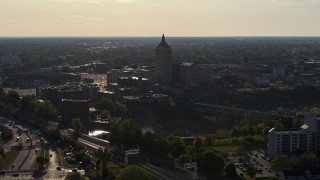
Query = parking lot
x=257 y=160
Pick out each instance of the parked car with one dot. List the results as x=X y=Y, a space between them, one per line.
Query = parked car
x=15 y=174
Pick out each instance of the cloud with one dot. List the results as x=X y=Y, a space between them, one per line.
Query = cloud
x=77 y=1
x=8 y=20
x=40 y=20
x=79 y=17
x=95 y=1
x=46 y=10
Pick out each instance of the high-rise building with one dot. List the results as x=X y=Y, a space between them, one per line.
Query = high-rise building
x=75 y=109
x=304 y=139
x=163 y=56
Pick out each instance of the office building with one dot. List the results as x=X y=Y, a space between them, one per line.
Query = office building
x=163 y=57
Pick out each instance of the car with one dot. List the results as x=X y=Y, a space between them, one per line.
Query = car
x=74 y=170
x=259 y=170
x=13 y=165
x=58 y=168
x=37 y=150
x=18 y=138
x=50 y=155
x=15 y=174
x=3 y=172
x=28 y=139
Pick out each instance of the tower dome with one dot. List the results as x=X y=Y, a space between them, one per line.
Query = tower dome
x=163 y=56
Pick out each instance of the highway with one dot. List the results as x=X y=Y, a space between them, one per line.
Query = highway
x=26 y=156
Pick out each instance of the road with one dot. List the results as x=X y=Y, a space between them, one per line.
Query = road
x=26 y=157
x=52 y=172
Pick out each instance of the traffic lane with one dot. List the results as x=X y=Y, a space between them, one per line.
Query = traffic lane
x=19 y=160
x=22 y=175
x=53 y=159
x=52 y=171
x=30 y=161
x=34 y=153
x=22 y=156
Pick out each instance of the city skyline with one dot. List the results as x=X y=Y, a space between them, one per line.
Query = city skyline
x=152 y=18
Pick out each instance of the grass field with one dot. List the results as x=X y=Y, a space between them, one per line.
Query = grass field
x=225 y=145
x=8 y=160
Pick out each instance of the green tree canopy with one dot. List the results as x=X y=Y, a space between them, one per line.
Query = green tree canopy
x=210 y=139
x=105 y=104
x=105 y=114
x=75 y=176
x=41 y=161
x=126 y=132
x=251 y=171
x=46 y=110
x=177 y=146
x=231 y=171
x=308 y=161
x=212 y=162
x=281 y=162
x=133 y=172
x=2 y=153
x=198 y=141
x=77 y=125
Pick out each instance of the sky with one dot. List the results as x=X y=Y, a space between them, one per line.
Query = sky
x=155 y=17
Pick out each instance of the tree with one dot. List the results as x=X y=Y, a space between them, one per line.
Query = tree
x=103 y=155
x=126 y=132
x=183 y=159
x=105 y=114
x=46 y=110
x=41 y=161
x=198 y=142
x=13 y=98
x=308 y=161
x=231 y=171
x=77 y=125
x=251 y=171
x=75 y=176
x=133 y=172
x=105 y=104
x=177 y=146
x=212 y=162
x=149 y=139
x=2 y=153
x=281 y=162
x=235 y=141
x=54 y=133
x=120 y=110
x=210 y=139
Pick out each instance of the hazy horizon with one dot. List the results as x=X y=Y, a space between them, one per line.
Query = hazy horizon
x=151 y=18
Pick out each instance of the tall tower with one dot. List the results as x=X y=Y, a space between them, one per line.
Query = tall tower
x=163 y=57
